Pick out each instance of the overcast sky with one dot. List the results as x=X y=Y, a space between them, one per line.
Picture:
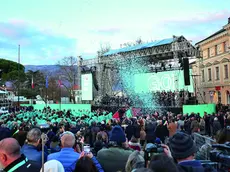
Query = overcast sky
x=48 y=30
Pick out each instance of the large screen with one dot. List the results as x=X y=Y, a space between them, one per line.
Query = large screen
x=162 y=81
x=209 y=108
x=87 y=86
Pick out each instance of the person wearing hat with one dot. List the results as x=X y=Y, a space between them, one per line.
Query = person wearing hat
x=183 y=150
x=114 y=158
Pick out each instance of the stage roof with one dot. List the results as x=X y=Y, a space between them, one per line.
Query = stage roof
x=139 y=47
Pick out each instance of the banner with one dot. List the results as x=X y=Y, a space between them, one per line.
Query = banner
x=87 y=86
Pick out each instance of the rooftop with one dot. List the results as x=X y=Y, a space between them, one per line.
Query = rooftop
x=139 y=47
x=216 y=33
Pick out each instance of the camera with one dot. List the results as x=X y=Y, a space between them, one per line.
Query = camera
x=152 y=149
x=44 y=127
x=221 y=154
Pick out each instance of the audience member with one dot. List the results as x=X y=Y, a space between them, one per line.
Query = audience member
x=11 y=158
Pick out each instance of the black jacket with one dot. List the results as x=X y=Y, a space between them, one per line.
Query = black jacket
x=22 y=164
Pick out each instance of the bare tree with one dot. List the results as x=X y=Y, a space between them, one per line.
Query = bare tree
x=68 y=74
x=103 y=49
x=137 y=42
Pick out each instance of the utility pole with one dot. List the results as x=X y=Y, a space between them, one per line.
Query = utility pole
x=18 y=74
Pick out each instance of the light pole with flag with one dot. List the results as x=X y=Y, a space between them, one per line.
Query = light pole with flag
x=47 y=85
x=60 y=84
x=32 y=87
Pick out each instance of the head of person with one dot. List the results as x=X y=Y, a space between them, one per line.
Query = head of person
x=67 y=140
x=9 y=151
x=53 y=166
x=142 y=170
x=223 y=135
x=33 y=136
x=85 y=164
x=135 y=161
x=182 y=147
x=162 y=163
x=117 y=136
x=62 y=128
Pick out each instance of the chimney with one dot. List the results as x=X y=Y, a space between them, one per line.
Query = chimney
x=229 y=20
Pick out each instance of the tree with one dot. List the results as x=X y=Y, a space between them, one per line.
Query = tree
x=39 y=84
x=13 y=72
x=103 y=49
x=137 y=42
x=68 y=74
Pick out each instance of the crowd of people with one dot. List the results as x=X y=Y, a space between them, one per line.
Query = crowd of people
x=83 y=141
x=160 y=98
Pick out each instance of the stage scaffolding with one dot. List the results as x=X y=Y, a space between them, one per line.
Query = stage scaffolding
x=106 y=70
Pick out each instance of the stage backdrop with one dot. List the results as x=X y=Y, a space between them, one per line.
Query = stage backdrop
x=75 y=107
x=87 y=86
x=162 y=81
x=209 y=108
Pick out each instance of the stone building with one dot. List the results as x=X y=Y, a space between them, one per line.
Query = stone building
x=213 y=67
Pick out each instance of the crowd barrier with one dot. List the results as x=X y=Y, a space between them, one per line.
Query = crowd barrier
x=203 y=141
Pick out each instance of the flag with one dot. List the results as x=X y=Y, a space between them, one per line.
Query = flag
x=47 y=82
x=32 y=82
x=116 y=115
x=129 y=113
x=59 y=83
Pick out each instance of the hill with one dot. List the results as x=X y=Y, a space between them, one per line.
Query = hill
x=42 y=68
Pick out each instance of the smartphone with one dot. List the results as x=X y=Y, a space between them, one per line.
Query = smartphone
x=87 y=149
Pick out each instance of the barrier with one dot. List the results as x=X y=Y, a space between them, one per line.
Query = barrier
x=76 y=107
x=203 y=145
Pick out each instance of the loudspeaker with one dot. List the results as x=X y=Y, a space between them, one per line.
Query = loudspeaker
x=186 y=71
x=95 y=82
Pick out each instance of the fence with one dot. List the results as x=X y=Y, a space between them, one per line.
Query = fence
x=204 y=145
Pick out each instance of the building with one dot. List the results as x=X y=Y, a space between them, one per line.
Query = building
x=213 y=67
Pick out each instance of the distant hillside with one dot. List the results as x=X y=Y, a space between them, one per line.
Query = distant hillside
x=42 y=68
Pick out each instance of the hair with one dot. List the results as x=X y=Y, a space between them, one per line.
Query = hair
x=162 y=163
x=11 y=147
x=135 y=161
x=223 y=136
x=143 y=170
x=134 y=139
x=85 y=164
x=34 y=135
x=68 y=140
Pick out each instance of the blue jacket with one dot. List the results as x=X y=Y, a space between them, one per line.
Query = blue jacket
x=67 y=156
x=193 y=165
x=32 y=153
x=97 y=164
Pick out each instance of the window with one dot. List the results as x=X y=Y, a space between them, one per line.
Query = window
x=225 y=46
x=219 y=49
x=226 y=71
x=202 y=75
x=217 y=73
x=209 y=74
x=208 y=52
x=216 y=50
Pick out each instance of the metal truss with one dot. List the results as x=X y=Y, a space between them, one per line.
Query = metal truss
x=179 y=48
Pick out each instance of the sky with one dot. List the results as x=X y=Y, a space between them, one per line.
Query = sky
x=48 y=30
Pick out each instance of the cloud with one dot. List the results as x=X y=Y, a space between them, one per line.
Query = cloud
x=199 y=18
x=37 y=46
x=107 y=31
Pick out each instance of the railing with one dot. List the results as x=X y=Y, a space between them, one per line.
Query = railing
x=204 y=145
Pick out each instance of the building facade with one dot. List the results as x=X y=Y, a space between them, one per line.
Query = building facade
x=213 y=67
